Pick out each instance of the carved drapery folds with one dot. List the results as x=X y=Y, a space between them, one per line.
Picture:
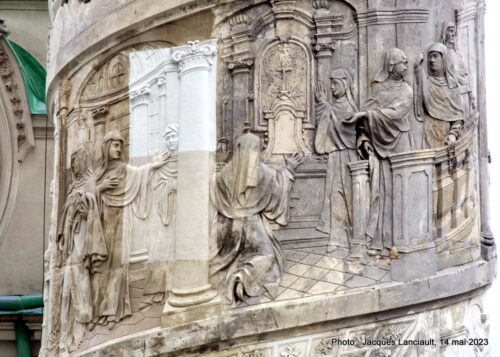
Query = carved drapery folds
x=283 y=56
x=319 y=115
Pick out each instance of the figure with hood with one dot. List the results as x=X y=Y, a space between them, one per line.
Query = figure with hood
x=456 y=65
x=337 y=138
x=248 y=195
x=81 y=244
x=124 y=192
x=162 y=223
x=438 y=101
x=384 y=128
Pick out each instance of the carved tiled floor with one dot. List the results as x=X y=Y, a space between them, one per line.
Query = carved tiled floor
x=312 y=271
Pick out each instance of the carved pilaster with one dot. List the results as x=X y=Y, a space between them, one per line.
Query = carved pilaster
x=241 y=71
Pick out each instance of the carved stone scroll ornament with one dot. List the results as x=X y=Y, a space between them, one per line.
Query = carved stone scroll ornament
x=195 y=56
x=337 y=138
x=385 y=130
x=248 y=195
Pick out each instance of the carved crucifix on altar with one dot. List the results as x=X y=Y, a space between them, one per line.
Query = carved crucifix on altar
x=285 y=115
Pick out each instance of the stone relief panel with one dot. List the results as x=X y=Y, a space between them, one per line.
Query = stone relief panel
x=389 y=139
x=113 y=262
x=336 y=170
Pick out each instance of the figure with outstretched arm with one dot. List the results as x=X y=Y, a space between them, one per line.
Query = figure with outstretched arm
x=248 y=195
x=336 y=137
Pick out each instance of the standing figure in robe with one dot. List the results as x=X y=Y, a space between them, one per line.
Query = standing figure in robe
x=81 y=243
x=248 y=195
x=161 y=247
x=438 y=100
x=337 y=138
x=385 y=129
x=456 y=65
x=123 y=191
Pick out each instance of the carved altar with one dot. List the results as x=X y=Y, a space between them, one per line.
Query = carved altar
x=325 y=185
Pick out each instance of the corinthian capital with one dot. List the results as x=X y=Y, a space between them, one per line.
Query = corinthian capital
x=196 y=55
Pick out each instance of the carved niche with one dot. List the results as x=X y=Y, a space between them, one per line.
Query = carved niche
x=273 y=53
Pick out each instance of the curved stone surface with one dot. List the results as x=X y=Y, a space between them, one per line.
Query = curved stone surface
x=268 y=178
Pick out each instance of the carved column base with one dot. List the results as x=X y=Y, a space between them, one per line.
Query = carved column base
x=185 y=306
x=416 y=265
x=488 y=247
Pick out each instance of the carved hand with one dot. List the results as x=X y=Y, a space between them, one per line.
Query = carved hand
x=451 y=139
x=292 y=162
x=320 y=93
x=160 y=161
x=356 y=117
x=110 y=182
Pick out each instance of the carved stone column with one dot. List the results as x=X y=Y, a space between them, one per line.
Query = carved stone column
x=488 y=249
x=325 y=23
x=360 y=205
x=192 y=296
x=412 y=215
x=240 y=71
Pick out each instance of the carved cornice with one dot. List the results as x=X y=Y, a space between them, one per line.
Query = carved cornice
x=98 y=114
x=195 y=56
x=240 y=19
x=143 y=92
x=321 y=4
x=287 y=10
x=391 y=16
x=468 y=13
x=240 y=65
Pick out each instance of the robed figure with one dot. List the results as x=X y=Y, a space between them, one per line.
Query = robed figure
x=162 y=223
x=337 y=138
x=456 y=64
x=248 y=195
x=124 y=192
x=385 y=129
x=438 y=101
x=82 y=248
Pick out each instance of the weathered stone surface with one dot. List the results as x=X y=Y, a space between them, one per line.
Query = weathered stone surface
x=327 y=170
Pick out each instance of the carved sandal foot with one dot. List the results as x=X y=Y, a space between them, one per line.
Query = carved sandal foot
x=374 y=252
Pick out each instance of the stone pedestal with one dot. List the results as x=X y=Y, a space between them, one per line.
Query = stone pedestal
x=360 y=206
x=412 y=215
